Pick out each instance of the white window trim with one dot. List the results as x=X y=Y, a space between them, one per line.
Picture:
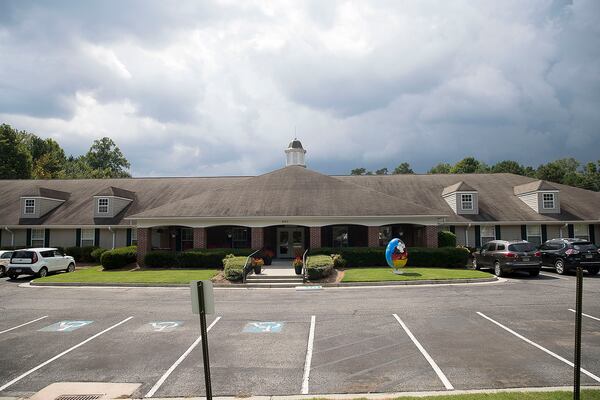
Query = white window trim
x=93 y=238
x=463 y=202
x=25 y=206
x=544 y=201
x=103 y=205
x=586 y=229
x=481 y=235
x=534 y=234
x=41 y=231
x=133 y=235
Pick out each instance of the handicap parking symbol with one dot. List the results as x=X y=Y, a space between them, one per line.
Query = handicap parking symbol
x=263 y=327
x=65 y=326
x=165 y=326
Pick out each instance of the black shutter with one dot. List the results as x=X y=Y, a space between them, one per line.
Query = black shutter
x=178 y=239
x=571 y=230
x=97 y=237
x=128 y=236
x=453 y=229
x=1 y=238
x=46 y=237
x=498 y=232
x=78 y=237
x=544 y=233
x=590 y=227
x=524 y=232
x=477 y=236
x=28 y=237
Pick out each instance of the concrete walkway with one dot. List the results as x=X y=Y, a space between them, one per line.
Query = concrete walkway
x=279 y=267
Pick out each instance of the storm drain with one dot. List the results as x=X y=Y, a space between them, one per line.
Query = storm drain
x=79 y=397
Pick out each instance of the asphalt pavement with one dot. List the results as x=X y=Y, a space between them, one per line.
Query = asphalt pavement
x=513 y=333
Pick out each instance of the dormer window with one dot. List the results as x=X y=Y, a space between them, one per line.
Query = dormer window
x=103 y=205
x=29 y=207
x=466 y=201
x=548 y=201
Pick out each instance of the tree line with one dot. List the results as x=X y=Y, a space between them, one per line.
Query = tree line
x=24 y=155
x=568 y=171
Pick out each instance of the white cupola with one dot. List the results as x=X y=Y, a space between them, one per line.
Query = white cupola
x=295 y=154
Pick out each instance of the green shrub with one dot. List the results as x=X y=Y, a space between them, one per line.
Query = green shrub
x=197 y=259
x=338 y=261
x=319 y=266
x=95 y=254
x=161 y=259
x=81 y=254
x=225 y=251
x=446 y=239
x=233 y=266
x=445 y=257
x=119 y=257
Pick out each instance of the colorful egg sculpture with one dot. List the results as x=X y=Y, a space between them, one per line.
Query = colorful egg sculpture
x=396 y=253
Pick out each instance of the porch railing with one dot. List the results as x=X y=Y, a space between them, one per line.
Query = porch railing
x=304 y=269
x=247 y=267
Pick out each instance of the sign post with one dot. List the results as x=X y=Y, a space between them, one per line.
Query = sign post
x=578 y=317
x=203 y=303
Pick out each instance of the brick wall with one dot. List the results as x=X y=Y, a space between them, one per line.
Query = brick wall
x=144 y=244
x=257 y=238
x=373 y=236
x=431 y=236
x=199 y=238
x=315 y=237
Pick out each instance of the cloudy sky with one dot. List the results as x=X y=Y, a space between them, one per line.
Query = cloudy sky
x=220 y=87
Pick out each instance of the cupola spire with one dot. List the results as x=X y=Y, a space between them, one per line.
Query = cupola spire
x=295 y=154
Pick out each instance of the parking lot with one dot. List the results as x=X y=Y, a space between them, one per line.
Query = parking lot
x=517 y=333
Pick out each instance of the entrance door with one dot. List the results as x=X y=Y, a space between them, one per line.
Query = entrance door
x=290 y=242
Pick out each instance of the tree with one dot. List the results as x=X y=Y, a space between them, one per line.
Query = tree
x=47 y=156
x=358 y=171
x=403 y=168
x=105 y=157
x=441 y=168
x=15 y=160
x=508 y=166
x=468 y=165
x=382 y=171
x=560 y=171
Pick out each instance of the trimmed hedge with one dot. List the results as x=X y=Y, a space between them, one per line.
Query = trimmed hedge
x=161 y=259
x=444 y=257
x=233 y=267
x=96 y=254
x=446 y=239
x=119 y=257
x=82 y=254
x=186 y=259
x=224 y=251
x=319 y=266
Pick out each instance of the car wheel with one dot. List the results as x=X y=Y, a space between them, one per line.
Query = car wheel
x=498 y=269
x=71 y=267
x=2 y=271
x=475 y=265
x=13 y=276
x=559 y=265
x=43 y=272
x=534 y=272
x=593 y=270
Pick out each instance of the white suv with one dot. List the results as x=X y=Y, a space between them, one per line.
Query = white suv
x=38 y=262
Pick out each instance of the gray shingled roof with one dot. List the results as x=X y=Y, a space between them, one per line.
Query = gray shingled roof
x=117 y=192
x=457 y=187
x=289 y=191
x=533 y=186
x=39 y=191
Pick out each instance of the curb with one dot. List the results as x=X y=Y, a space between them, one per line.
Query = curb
x=240 y=286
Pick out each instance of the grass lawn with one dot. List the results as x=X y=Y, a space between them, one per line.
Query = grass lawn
x=378 y=274
x=97 y=275
x=585 y=394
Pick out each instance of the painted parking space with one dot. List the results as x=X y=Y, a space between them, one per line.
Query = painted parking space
x=263 y=327
x=246 y=363
x=65 y=326
x=366 y=353
x=8 y=328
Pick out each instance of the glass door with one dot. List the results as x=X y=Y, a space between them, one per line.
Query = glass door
x=283 y=243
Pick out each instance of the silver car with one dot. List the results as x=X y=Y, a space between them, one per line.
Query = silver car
x=38 y=262
x=4 y=260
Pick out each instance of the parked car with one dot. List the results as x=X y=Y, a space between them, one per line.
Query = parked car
x=566 y=254
x=38 y=262
x=509 y=255
x=4 y=260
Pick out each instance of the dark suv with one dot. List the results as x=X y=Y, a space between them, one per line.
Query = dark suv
x=509 y=255
x=566 y=254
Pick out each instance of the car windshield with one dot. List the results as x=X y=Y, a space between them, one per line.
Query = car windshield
x=521 y=247
x=584 y=246
x=23 y=254
x=8 y=254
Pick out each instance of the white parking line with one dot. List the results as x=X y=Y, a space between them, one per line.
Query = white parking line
x=163 y=378
x=554 y=276
x=570 y=309
x=545 y=350
x=309 y=352
x=18 y=378
x=26 y=323
x=433 y=364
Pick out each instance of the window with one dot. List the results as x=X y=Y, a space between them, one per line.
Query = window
x=521 y=247
x=340 y=236
x=87 y=237
x=29 y=206
x=187 y=235
x=103 y=205
x=548 y=200
x=58 y=253
x=581 y=231
x=134 y=236
x=466 y=201
x=534 y=234
x=47 y=254
x=488 y=232
x=489 y=246
x=385 y=235
x=37 y=237
x=239 y=238
x=7 y=254
x=501 y=247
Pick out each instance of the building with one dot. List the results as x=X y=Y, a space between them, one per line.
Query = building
x=291 y=209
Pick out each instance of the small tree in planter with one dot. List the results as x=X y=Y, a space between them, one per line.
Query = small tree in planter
x=257 y=264
x=297 y=263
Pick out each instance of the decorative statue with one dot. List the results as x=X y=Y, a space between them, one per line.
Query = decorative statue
x=396 y=255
